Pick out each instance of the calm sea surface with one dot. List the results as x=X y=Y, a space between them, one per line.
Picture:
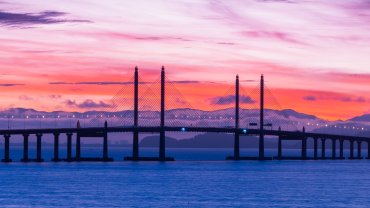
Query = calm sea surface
x=186 y=182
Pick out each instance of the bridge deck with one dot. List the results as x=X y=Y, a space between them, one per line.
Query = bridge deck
x=89 y=131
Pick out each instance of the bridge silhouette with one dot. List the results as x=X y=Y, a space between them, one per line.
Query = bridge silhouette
x=79 y=133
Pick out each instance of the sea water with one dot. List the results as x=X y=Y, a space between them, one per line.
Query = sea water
x=198 y=178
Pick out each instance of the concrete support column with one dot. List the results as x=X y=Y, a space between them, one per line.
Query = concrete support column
x=56 y=147
x=315 y=148
x=359 y=149
x=322 y=148
x=69 y=146
x=25 y=148
x=105 y=142
x=6 y=148
x=236 y=146
x=351 y=149
x=38 y=148
x=341 y=156
x=304 y=148
x=280 y=154
x=78 y=147
x=135 y=146
x=333 y=149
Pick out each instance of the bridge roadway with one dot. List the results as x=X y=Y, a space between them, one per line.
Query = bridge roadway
x=103 y=132
x=288 y=134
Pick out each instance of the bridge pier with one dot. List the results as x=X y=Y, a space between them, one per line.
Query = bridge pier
x=236 y=146
x=6 y=149
x=38 y=148
x=69 y=147
x=304 y=148
x=101 y=133
x=368 y=150
x=162 y=146
x=333 y=149
x=78 y=147
x=56 y=148
x=280 y=153
x=341 y=149
x=351 y=149
x=105 y=142
x=359 y=149
x=323 y=148
x=315 y=148
x=25 y=148
x=135 y=146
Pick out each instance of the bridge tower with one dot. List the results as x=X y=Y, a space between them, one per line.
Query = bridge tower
x=261 y=138
x=162 y=135
x=236 y=134
x=135 y=146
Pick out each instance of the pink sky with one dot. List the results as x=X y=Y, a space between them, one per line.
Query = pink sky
x=314 y=54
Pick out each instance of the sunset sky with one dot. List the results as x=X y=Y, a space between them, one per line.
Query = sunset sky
x=76 y=54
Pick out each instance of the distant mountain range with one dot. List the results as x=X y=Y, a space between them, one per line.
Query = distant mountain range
x=216 y=140
x=285 y=119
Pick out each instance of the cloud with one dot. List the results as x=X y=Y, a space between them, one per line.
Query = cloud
x=60 y=83
x=284 y=1
x=25 y=97
x=337 y=98
x=10 y=85
x=145 y=37
x=119 y=83
x=54 y=96
x=28 y=19
x=95 y=83
x=229 y=99
x=274 y=35
x=184 y=82
x=248 y=80
x=349 y=99
x=310 y=98
x=225 y=43
x=88 y=104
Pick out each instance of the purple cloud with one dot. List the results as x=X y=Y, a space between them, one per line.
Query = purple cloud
x=349 y=99
x=284 y=1
x=184 y=82
x=53 y=96
x=341 y=99
x=25 y=97
x=310 y=98
x=10 y=85
x=88 y=104
x=226 y=43
x=95 y=83
x=27 y=19
x=229 y=99
x=281 y=36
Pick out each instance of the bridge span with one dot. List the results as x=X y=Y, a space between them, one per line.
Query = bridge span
x=79 y=133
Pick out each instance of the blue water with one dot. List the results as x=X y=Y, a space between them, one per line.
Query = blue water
x=185 y=183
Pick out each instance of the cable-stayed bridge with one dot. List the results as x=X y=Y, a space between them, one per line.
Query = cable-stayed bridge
x=155 y=110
